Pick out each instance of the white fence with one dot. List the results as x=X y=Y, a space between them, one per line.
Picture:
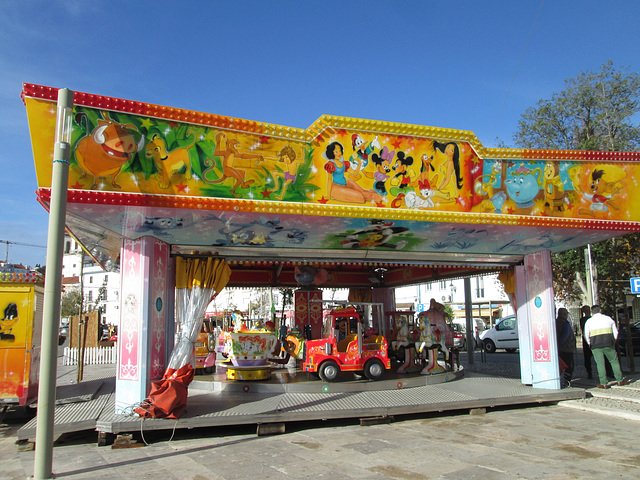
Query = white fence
x=92 y=356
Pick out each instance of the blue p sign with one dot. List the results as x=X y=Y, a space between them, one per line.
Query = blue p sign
x=635 y=285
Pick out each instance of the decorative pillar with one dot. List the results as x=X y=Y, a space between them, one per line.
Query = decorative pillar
x=146 y=330
x=539 y=364
x=386 y=296
x=308 y=310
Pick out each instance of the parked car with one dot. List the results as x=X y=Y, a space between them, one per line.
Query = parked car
x=635 y=339
x=460 y=336
x=63 y=333
x=503 y=335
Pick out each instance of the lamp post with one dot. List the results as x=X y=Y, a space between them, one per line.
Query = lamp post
x=53 y=287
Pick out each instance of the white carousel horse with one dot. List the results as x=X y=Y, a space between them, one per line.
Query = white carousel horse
x=432 y=339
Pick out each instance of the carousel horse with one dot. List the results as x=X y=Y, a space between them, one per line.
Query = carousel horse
x=432 y=339
x=405 y=340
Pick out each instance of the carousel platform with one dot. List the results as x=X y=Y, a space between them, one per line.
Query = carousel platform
x=289 y=396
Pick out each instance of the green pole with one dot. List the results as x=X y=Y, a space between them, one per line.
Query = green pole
x=52 y=289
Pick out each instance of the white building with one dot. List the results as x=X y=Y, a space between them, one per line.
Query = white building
x=101 y=289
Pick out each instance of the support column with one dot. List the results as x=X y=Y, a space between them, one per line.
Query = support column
x=539 y=365
x=386 y=296
x=146 y=330
x=307 y=311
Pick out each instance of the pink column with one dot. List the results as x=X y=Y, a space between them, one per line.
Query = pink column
x=145 y=336
x=536 y=322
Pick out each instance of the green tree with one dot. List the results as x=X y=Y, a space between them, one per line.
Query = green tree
x=596 y=111
x=71 y=302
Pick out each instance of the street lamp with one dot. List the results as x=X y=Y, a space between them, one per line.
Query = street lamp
x=453 y=290
x=53 y=287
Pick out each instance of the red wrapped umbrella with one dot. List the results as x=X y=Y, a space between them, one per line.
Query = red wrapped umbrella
x=198 y=281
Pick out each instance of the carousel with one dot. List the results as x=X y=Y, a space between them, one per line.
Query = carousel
x=184 y=204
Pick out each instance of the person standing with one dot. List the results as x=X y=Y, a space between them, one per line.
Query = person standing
x=566 y=345
x=601 y=333
x=586 y=351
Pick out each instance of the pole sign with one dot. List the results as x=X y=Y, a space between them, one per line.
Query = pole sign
x=420 y=307
x=635 y=285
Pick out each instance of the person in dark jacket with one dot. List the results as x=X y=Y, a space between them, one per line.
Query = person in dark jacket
x=566 y=344
x=586 y=351
x=601 y=333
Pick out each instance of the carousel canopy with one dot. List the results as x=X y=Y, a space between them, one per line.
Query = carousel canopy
x=372 y=202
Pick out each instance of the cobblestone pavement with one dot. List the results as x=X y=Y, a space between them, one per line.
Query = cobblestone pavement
x=596 y=439
x=542 y=442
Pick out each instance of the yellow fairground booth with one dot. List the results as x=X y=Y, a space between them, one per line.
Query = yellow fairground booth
x=372 y=204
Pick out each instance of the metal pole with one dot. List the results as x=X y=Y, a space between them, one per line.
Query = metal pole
x=471 y=330
x=52 y=289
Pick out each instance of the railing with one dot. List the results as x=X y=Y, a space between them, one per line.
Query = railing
x=92 y=356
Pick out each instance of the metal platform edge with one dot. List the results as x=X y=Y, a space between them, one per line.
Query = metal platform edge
x=121 y=424
x=505 y=392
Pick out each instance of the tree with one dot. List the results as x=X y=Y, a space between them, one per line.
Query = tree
x=594 y=112
x=71 y=302
x=287 y=300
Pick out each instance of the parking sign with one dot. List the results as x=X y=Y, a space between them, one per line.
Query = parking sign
x=635 y=285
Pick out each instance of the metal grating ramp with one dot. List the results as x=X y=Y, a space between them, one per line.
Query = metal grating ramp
x=76 y=416
x=312 y=401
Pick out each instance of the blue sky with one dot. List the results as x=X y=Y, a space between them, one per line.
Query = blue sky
x=466 y=65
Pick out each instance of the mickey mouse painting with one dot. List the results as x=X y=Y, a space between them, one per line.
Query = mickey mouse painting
x=378 y=234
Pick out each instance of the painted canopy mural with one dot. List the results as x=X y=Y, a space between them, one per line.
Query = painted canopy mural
x=342 y=183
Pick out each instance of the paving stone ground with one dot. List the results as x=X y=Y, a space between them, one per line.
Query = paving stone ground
x=535 y=442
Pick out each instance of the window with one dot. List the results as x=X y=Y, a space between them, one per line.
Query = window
x=443 y=285
x=429 y=287
x=106 y=279
x=90 y=279
x=90 y=296
x=67 y=247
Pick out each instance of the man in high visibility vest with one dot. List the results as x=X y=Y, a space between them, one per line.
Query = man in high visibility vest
x=601 y=333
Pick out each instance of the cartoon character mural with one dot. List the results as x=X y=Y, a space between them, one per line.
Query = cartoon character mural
x=361 y=151
x=448 y=187
x=383 y=164
x=605 y=184
x=230 y=169
x=262 y=232
x=553 y=187
x=8 y=322
x=134 y=222
x=524 y=187
x=169 y=163
x=288 y=157
x=422 y=200
x=379 y=233
x=485 y=185
x=402 y=178
x=339 y=187
x=107 y=149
